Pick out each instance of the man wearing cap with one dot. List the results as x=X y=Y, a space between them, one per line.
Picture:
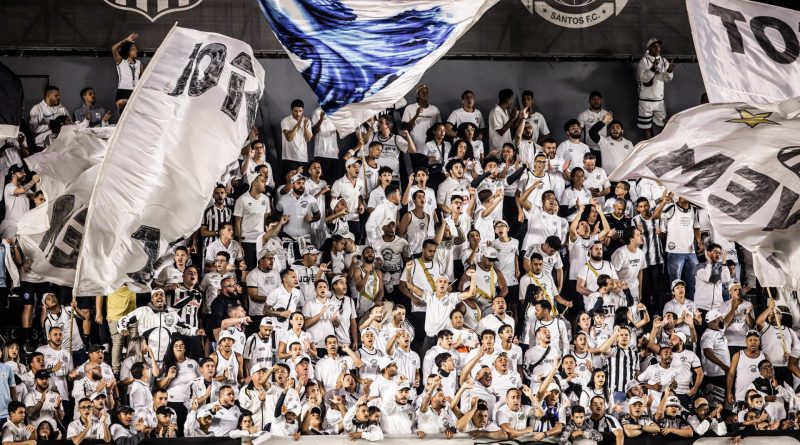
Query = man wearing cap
x=706 y=421
x=308 y=272
x=198 y=422
x=229 y=364
x=398 y=415
x=351 y=189
x=253 y=397
x=490 y=281
x=300 y=207
x=16 y=194
x=43 y=403
x=654 y=71
x=260 y=348
x=687 y=364
x=738 y=313
x=637 y=421
x=607 y=135
x=260 y=282
x=669 y=417
x=248 y=217
x=434 y=415
x=780 y=345
x=714 y=344
x=710 y=279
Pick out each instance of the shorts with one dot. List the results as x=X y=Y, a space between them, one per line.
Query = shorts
x=123 y=94
x=651 y=112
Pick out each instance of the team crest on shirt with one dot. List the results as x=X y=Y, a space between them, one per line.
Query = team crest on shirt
x=753 y=368
x=169 y=318
x=671 y=246
x=575 y=13
x=304 y=204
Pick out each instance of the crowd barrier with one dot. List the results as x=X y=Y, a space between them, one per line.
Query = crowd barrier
x=765 y=438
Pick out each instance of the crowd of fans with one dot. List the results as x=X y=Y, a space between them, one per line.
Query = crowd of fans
x=459 y=275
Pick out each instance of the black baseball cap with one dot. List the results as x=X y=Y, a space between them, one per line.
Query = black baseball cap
x=42 y=374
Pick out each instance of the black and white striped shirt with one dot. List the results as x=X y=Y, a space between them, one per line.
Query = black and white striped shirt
x=623 y=365
x=653 y=250
x=607 y=424
x=213 y=219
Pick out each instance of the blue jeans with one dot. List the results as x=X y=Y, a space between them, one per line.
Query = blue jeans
x=676 y=264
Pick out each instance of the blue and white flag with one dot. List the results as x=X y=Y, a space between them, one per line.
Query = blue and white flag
x=362 y=56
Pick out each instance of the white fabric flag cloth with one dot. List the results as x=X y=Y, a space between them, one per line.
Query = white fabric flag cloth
x=184 y=124
x=361 y=57
x=747 y=51
x=50 y=235
x=740 y=163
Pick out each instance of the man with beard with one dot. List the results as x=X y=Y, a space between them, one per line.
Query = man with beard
x=188 y=300
x=215 y=215
x=588 y=118
x=43 y=403
x=45 y=111
x=541 y=180
x=260 y=282
x=368 y=281
x=226 y=414
x=397 y=414
x=682 y=225
x=454 y=184
x=535 y=118
x=248 y=217
x=395 y=252
x=541 y=357
x=97 y=116
x=332 y=364
x=613 y=147
x=17 y=200
x=589 y=273
x=572 y=149
x=660 y=376
x=596 y=178
x=434 y=415
x=523 y=139
x=157 y=322
x=300 y=207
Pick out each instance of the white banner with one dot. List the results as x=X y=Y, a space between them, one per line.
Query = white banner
x=747 y=51
x=362 y=57
x=184 y=124
x=50 y=234
x=741 y=163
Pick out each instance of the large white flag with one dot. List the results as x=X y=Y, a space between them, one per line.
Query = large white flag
x=748 y=51
x=742 y=163
x=50 y=234
x=185 y=122
x=362 y=56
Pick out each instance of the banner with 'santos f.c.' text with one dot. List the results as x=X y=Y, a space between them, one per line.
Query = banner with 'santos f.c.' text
x=184 y=124
x=748 y=52
x=740 y=162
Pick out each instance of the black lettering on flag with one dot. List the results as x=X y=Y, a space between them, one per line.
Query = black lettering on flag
x=216 y=52
x=750 y=200
x=781 y=219
x=61 y=244
x=244 y=62
x=708 y=170
x=233 y=101
x=180 y=86
x=790 y=42
x=151 y=239
x=729 y=18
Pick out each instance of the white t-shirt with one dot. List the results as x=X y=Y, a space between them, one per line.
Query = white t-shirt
x=350 y=192
x=425 y=120
x=588 y=118
x=460 y=116
x=573 y=152
x=297 y=149
x=264 y=283
x=628 y=264
x=252 y=212
x=498 y=117
x=507 y=254
x=590 y=271
x=16 y=205
x=326 y=144
x=539 y=124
